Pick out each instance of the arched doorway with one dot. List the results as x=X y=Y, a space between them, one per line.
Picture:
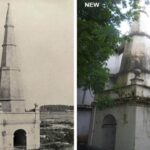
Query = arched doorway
x=20 y=139
x=109 y=132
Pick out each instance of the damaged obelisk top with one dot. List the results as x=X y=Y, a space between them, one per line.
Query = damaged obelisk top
x=135 y=66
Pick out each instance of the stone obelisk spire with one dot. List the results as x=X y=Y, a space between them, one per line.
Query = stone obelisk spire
x=136 y=56
x=11 y=95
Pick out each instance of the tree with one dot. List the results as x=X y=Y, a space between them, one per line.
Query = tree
x=98 y=37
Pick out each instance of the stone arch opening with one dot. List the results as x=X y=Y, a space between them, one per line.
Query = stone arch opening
x=109 y=132
x=20 y=139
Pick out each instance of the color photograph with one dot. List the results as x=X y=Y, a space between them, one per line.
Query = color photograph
x=113 y=75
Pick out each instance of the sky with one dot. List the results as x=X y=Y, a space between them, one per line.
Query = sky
x=44 y=39
x=125 y=27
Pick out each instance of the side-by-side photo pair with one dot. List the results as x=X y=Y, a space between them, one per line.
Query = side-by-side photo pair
x=75 y=75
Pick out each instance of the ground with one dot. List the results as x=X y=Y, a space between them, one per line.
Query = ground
x=56 y=130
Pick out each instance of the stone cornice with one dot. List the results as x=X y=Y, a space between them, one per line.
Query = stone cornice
x=6 y=26
x=8 y=68
x=4 y=45
x=140 y=34
x=138 y=94
x=11 y=99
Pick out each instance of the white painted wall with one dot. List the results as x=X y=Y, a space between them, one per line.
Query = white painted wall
x=114 y=63
x=88 y=99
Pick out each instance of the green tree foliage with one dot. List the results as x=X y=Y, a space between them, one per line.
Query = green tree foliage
x=98 y=37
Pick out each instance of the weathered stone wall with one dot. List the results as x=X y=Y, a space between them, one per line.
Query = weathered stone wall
x=132 y=128
x=142 y=129
x=125 y=127
x=84 y=98
x=10 y=122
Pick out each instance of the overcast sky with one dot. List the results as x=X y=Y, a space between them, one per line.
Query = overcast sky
x=44 y=38
x=125 y=27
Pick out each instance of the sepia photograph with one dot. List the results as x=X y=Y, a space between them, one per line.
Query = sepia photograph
x=36 y=75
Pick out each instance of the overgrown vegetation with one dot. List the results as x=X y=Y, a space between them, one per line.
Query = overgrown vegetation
x=104 y=102
x=99 y=37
